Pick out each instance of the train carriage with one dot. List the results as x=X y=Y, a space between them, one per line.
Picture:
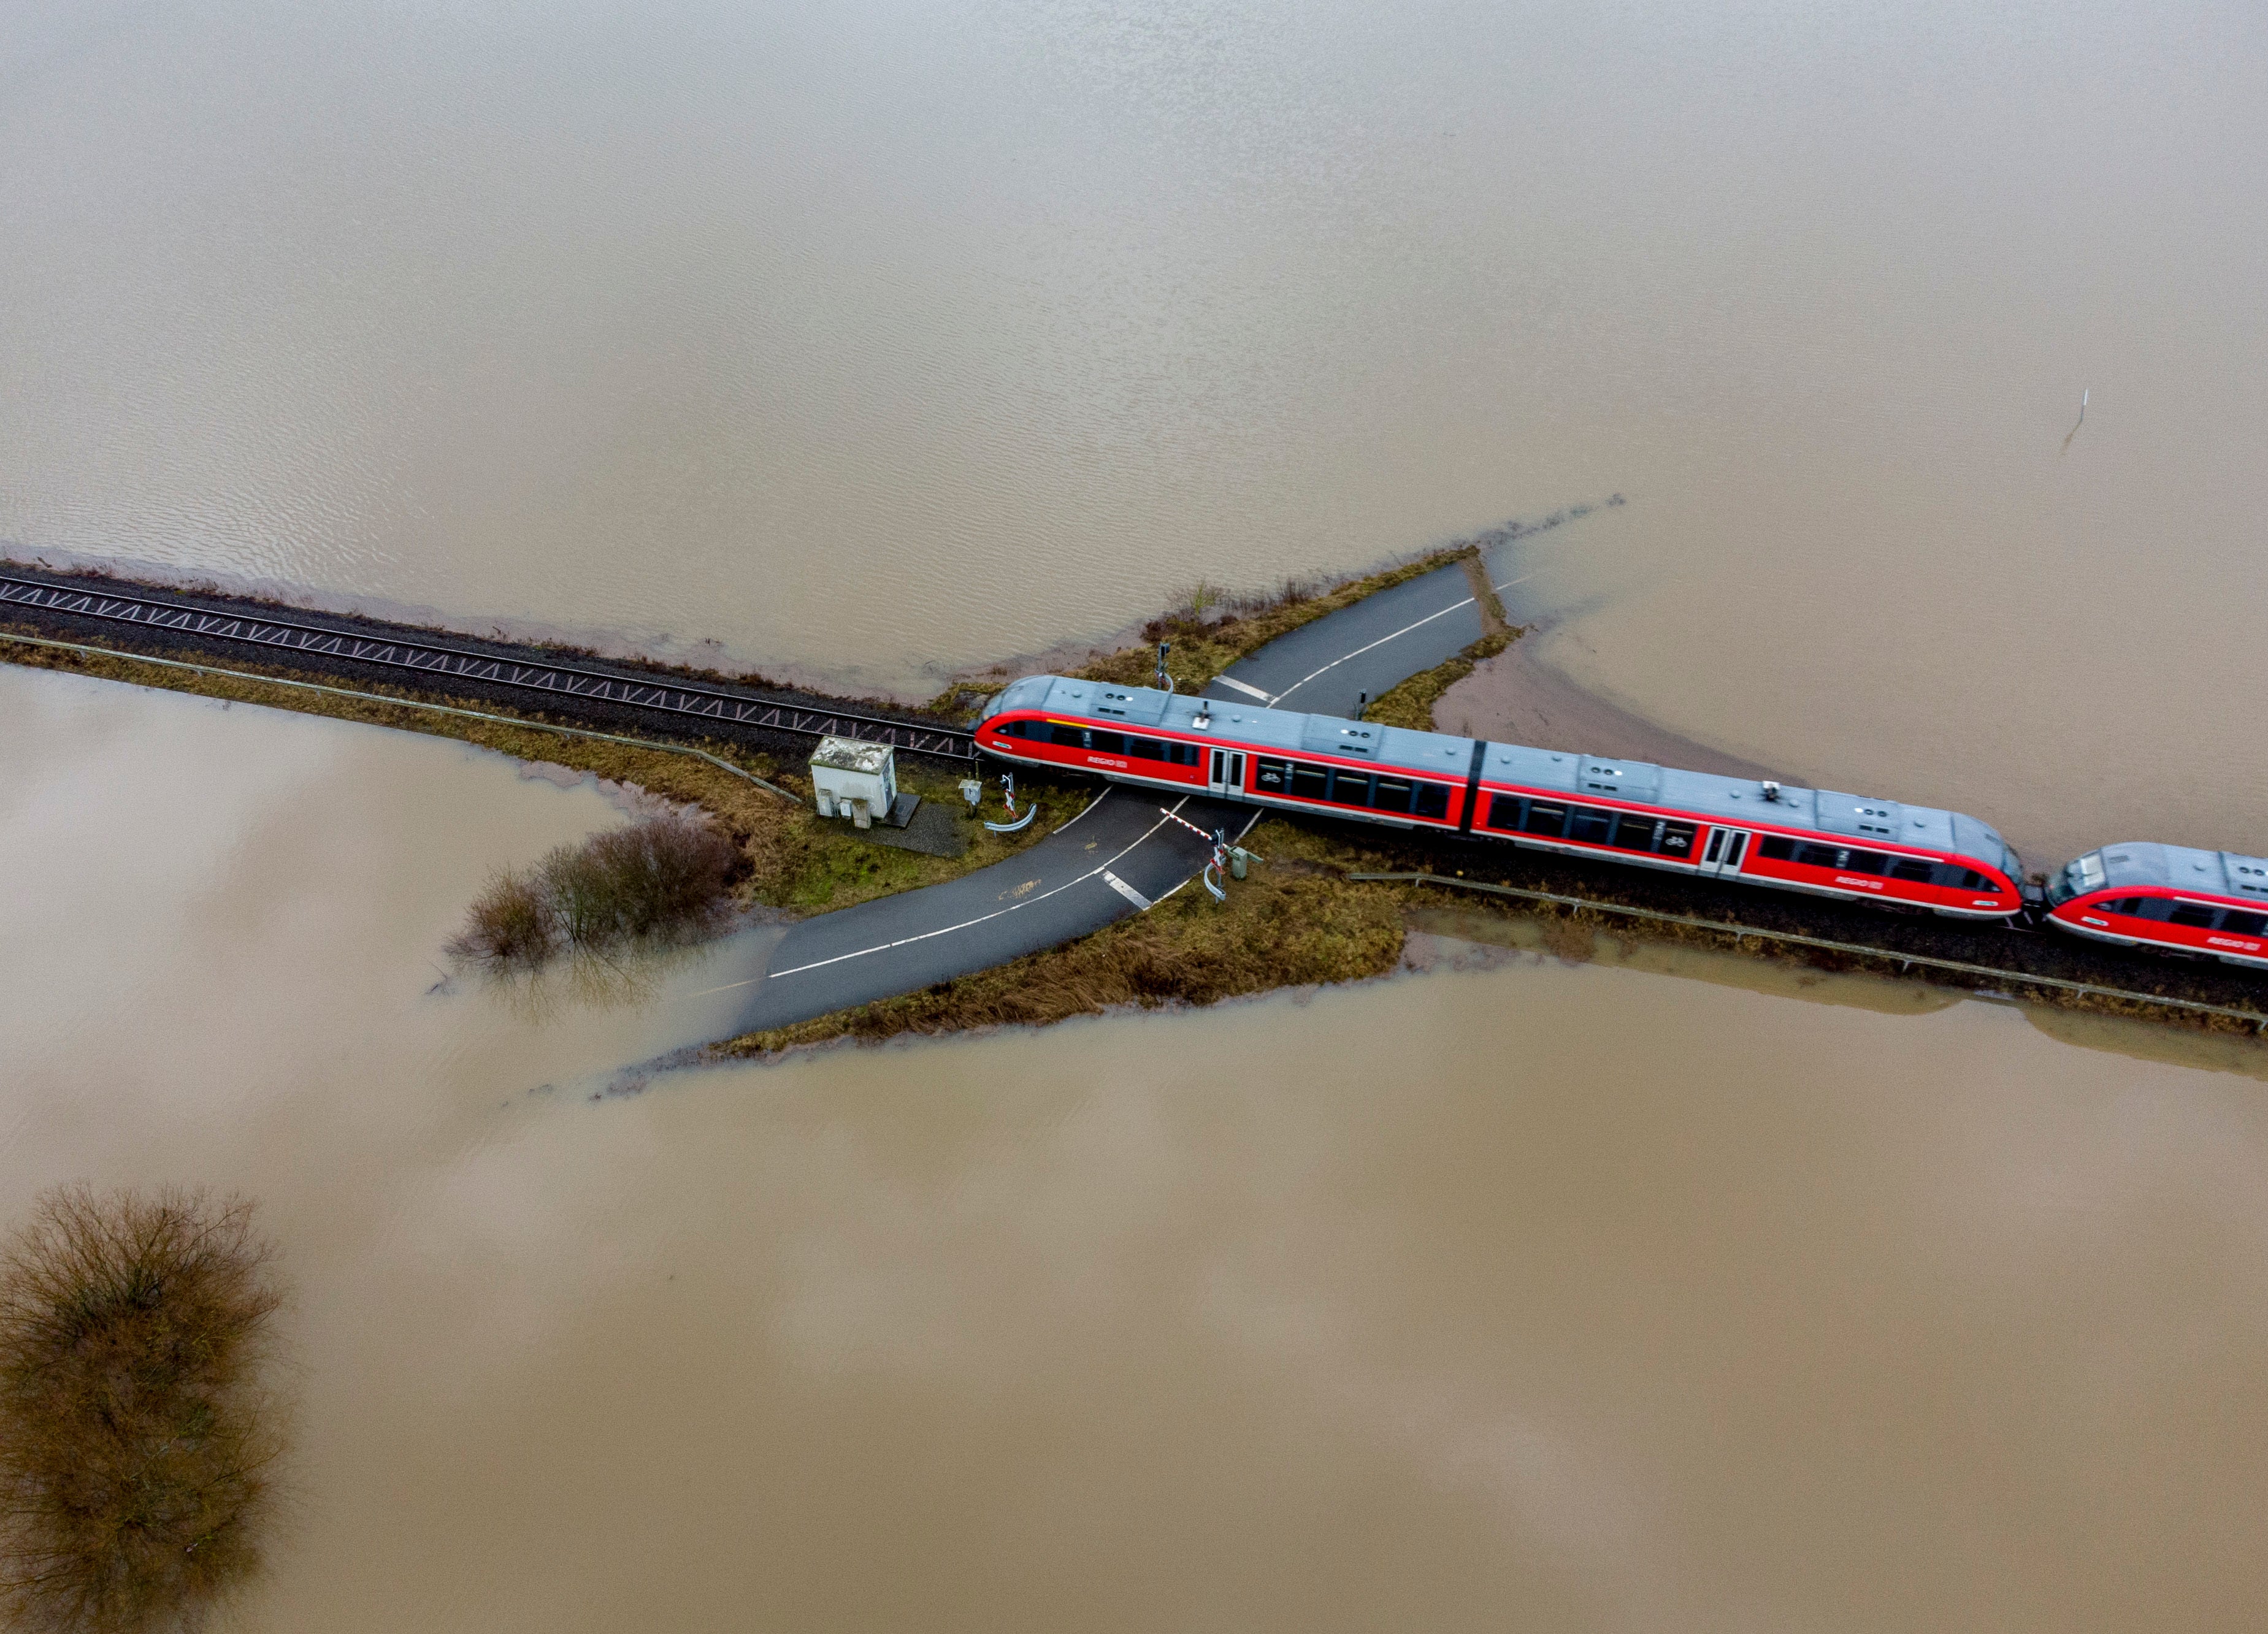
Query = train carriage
x=2206 y=904
x=1817 y=842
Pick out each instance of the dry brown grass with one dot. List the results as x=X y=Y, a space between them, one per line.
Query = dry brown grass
x=667 y=879
x=137 y=1432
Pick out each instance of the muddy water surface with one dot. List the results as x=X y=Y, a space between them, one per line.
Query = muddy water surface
x=876 y=339
x=881 y=337
x=1625 y=1299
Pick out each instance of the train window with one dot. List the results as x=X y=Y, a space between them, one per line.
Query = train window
x=1544 y=819
x=1351 y=788
x=1106 y=742
x=1311 y=782
x=1182 y=753
x=1504 y=812
x=2244 y=923
x=1911 y=868
x=1432 y=800
x=2195 y=915
x=1972 y=880
x=1145 y=749
x=1820 y=856
x=1634 y=833
x=1776 y=849
x=1393 y=795
x=1012 y=728
x=1678 y=840
x=1588 y=822
x=1067 y=737
x=1275 y=777
x=1865 y=862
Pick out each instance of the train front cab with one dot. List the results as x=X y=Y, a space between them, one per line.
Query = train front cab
x=2170 y=899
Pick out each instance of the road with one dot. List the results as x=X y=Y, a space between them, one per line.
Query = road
x=1114 y=859
x=1370 y=647
x=1120 y=854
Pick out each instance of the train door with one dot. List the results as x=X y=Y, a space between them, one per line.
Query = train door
x=1227 y=772
x=1726 y=848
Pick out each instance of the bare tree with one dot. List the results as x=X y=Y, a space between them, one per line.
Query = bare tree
x=137 y=1429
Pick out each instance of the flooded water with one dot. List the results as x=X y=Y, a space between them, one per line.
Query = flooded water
x=1632 y=1299
x=887 y=338
x=875 y=340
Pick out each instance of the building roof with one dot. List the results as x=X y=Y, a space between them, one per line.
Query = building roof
x=850 y=755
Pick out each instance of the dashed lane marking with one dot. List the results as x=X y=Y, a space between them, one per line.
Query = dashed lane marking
x=1126 y=890
x=906 y=941
x=1380 y=642
x=1250 y=691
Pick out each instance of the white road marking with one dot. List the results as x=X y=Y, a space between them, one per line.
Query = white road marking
x=1231 y=681
x=1380 y=642
x=1126 y=890
x=1102 y=867
x=1089 y=807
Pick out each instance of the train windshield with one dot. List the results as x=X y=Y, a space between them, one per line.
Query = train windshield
x=2079 y=875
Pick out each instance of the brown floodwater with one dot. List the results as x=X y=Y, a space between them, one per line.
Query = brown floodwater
x=884 y=338
x=1657 y=1290
x=1634 y=1293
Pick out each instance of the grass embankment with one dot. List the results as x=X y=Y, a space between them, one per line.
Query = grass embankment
x=793 y=859
x=1293 y=923
x=136 y=1427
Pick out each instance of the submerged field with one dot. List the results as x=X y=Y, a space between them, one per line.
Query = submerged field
x=1298 y=921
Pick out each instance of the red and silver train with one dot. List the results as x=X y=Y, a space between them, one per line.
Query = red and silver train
x=1813 y=841
x=2213 y=904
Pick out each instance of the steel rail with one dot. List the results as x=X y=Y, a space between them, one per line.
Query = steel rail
x=403 y=704
x=431 y=657
x=1738 y=931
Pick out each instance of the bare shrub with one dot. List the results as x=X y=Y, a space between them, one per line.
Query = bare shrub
x=1570 y=940
x=666 y=878
x=511 y=925
x=137 y=1434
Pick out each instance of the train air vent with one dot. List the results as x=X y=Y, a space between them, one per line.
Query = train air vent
x=1632 y=780
x=1327 y=735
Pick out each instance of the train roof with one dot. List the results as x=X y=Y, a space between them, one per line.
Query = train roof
x=2181 y=868
x=1861 y=817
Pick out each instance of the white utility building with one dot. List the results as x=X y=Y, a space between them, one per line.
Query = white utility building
x=855 y=780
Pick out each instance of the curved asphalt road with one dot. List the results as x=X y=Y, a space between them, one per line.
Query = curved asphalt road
x=1124 y=852
x=1371 y=647
x=1120 y=854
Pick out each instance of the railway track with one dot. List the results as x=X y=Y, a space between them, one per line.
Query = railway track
x=151 y=609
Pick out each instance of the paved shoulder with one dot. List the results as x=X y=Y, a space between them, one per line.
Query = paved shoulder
x=1119 y=855
x=1372 y=646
